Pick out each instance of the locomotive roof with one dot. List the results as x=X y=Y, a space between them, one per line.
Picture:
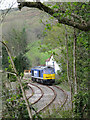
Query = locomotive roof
x=41 y=67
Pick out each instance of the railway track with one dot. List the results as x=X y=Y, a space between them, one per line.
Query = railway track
x=51 y=101
x=42 y=93
x=31 y=93
x=65 y=98
x=42 y=96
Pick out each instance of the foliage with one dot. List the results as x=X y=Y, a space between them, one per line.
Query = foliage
x=21 y=63
x=81 y=99
x=54 y=38
x=25 y=86
x=17 y=22
x=57 y=113
x=58 y=79
x=13 y=103
x=18 y=44
x=81 y=104
x=82 y=60
x=35 y=55
x=71 y=14
x=9 y=68
x=16 y=41
x=55 y=43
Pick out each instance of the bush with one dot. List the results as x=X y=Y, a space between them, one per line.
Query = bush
x=57 y=113
x=81 y=104
x=14 y=105
x=12 y=78
x=58 y=79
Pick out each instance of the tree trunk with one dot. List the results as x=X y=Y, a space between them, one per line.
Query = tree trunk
x=74 y=61
x=66 y=39
x=71 y=89
x=68 y=75
x=19 y=80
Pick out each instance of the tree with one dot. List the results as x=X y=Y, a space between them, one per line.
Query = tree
x=76 y=57
x=21 y=63
x=5 y=63
x=81 y=108
x=74 y=61
x=17 y=40
x=19 y=80
x=68 y=66
x=13 y=104
x=64 y=15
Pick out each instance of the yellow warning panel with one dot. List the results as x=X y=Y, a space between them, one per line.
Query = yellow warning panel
x=48 y=76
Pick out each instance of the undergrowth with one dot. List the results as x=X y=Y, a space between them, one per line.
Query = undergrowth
x=57 y=113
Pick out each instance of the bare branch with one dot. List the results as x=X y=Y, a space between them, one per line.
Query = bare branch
x=79 y=18
x=3 y=16
x=0 y=1
x=19 y=80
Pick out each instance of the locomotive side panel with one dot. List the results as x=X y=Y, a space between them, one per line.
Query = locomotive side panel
x=36 y=75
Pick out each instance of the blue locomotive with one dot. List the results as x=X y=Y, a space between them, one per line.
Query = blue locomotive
x=43 y=74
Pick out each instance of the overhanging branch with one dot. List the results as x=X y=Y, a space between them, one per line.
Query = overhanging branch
x=81 y=26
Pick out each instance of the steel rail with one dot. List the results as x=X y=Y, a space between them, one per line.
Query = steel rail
x=64 y=93
x=32 y=92
x=55 y=94
x=42 y=93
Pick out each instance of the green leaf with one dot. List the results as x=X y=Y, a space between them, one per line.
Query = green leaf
x=55 y=6
x=83 y=6
x=53 y=53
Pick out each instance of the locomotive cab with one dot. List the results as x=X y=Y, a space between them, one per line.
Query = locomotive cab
x=49 y=75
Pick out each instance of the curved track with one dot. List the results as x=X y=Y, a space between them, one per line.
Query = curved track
x=34 y=93
x=43 y=96
x=66 y=96
x=54 y=97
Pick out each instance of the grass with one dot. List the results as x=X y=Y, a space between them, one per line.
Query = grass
x=65 y=86
x=56 y=113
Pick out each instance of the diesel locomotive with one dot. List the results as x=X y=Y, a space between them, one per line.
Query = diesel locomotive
x=43 y=74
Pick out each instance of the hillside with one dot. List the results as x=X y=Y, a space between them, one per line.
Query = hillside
x=29 y=19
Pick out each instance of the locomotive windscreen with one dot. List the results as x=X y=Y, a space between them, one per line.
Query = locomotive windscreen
x=49 y=70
